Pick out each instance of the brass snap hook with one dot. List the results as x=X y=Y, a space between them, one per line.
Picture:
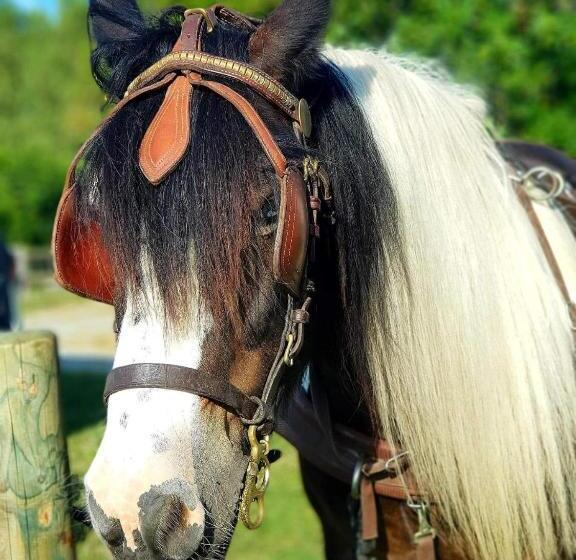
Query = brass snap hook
x=288 y=358
x=257 y=480
x=425 y=528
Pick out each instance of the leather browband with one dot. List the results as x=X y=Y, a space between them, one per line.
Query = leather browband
x=186 y=380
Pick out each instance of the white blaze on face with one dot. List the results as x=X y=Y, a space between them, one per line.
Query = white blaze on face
x=149 y=435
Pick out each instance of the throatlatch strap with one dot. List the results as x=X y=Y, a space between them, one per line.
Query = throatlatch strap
x=547 y=250
x=187 y=380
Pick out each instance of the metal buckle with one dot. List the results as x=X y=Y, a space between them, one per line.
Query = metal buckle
x=357 y=479
x=210 y=23
x=257 y=480
x=261 y=414
x=540 y=179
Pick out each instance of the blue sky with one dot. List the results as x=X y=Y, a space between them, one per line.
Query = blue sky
x=49 y=6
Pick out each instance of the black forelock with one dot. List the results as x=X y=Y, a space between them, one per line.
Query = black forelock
x=125 y=42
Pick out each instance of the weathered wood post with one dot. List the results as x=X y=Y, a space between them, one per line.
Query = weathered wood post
x=34 y=509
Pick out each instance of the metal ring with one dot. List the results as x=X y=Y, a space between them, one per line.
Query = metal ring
x=356 y=480
x=388 y=466
x=204 y=13
x=537 y=177
x=260 y=416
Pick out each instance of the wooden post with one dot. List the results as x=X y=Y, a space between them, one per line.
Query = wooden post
x=34 y=509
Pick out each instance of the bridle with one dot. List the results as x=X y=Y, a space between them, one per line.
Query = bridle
x=304 y=187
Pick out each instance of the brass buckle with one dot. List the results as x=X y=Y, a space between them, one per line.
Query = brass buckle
x=313 y=170
x=210 y=23
x=257 y=480
x=288 y=358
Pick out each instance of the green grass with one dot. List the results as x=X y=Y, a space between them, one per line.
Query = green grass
x=36 y=298
x=290 y=532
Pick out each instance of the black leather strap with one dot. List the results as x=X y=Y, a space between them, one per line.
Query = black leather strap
x=187 y=380
x=250 y=409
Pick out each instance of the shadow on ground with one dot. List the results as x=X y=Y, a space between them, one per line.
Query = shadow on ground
x=82 y=400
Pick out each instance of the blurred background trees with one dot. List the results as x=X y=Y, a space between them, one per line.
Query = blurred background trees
x=520 y=53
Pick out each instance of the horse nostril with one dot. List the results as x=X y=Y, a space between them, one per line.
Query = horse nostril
x=113 y=534
x=163 y=515
x=164 y=523
x=109 y=528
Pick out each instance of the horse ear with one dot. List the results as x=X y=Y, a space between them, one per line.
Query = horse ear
x=286 y=44
x=114 y=20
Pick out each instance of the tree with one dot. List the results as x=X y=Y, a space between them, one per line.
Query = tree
x=521 y=54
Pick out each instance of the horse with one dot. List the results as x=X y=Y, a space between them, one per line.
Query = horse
x=291 y=233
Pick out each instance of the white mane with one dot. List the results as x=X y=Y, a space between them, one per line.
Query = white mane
x=476 y=374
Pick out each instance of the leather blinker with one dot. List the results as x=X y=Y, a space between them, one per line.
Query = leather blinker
x=293 y=232
x=81 y=262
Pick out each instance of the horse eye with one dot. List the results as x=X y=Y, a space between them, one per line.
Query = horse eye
x=267 y=219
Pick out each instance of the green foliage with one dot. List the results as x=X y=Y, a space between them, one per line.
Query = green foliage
x=520 y=53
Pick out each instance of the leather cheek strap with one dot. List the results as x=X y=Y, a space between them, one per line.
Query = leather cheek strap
x=293 y=222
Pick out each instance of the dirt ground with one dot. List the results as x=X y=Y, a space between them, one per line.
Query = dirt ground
x=84 y=328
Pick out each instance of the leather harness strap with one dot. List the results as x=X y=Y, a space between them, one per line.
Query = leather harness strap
x=187 y=380
x=247 y=110
x=527 y=204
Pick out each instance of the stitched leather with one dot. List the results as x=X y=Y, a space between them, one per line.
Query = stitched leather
x=256 y=79
x=293 y=232
x=166 y=141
